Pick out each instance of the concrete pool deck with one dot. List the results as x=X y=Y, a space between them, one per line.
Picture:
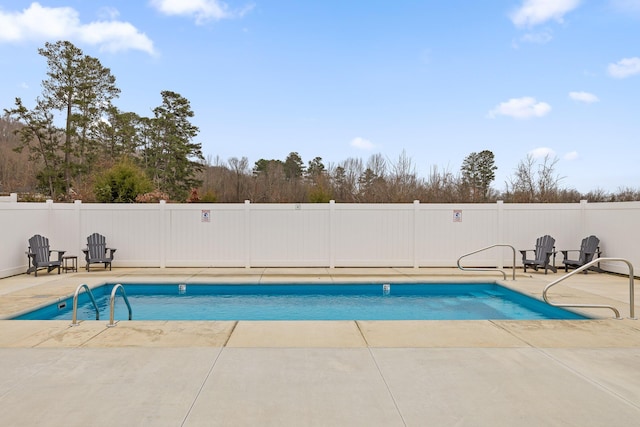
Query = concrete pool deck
x=347 y=373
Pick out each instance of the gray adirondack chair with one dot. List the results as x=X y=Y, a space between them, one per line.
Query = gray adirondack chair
x=588 y=248
x=97 y=251
x=541 y=255
x=39 y=255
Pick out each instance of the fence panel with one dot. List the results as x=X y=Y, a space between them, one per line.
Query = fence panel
x=445 y=232
x=134 y=230
x=293 y=235
x=373 y=235
x=19 y=222
x=206 y=235
x=617 y=225
x=315 y=235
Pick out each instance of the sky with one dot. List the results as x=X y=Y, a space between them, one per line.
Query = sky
x=431 y=80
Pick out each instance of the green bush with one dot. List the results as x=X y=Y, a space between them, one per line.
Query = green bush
x=319 y=195
x=122 y=183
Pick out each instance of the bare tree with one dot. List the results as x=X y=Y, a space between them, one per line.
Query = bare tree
x=403 y=180
x=372 y=182
x=441 y=187
x=548 y=180
x=534 y=182
x=345 y=180
x=240 y=170
x=17 y=173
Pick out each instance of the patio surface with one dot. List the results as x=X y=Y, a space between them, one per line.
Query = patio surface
x=319 y=373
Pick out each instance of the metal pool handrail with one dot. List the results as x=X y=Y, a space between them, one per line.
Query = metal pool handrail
x=584 y=267
x=513 y=266
x=74 y=319
x=112 y=303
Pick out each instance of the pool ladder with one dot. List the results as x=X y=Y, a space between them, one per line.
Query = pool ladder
x=112 y=304
x=504 y=275
x=585 y=267
x=74 y=319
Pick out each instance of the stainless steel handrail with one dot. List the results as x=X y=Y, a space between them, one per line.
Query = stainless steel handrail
x=513 y=267
x=74 y=319
x=584 y=267
x=112 y=303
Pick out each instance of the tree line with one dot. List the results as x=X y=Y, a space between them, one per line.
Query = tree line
x=76 y=144
x=84 y=145
x=381 y=180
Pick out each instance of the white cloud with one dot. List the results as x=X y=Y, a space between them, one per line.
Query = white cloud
x=108 y=12
x=624 y=68
x=521 y=108
x=586 y=97
x=201 y=10
x=40 y=23
x=572 y=155
x=541 y=37
x=115 y=36
x=542 y=152
x=362 y=144
x=535 y=12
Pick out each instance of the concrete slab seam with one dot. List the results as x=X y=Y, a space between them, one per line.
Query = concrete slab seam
x=91 y=338
x=233 y=328
x=384 y=381
x=204 y=381
x=512 y=334
x=588 y=379
x=364 y=337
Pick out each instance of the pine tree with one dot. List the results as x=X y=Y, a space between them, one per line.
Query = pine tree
x=80 y=90
x=478 y=173
x=171 y=157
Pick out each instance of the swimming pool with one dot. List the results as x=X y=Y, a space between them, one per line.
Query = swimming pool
x=451 y=301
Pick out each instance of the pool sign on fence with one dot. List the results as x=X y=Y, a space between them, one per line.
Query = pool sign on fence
x=457 y=215
x=205 y=216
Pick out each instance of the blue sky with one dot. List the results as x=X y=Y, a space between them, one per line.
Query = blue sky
x=338 y=79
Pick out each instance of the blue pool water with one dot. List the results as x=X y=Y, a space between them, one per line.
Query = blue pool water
x=308 y=302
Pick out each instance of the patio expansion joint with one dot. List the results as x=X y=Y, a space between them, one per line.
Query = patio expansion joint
x=508 y=331
x=386 y=385
x=204 y=382
x=233 y=328
x=591 y=381
x=88 y=340
x=362 y=334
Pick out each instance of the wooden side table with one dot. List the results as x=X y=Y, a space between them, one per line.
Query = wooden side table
x=70 y=263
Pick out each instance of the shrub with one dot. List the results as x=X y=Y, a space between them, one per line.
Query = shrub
x=122 y=183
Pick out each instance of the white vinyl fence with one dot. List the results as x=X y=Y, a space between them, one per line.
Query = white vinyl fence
x=315 y=235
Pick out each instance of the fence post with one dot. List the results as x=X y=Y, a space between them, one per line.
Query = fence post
x=77 y=204
x=247 y=234
x=416 y=207
x=500 y=230
x=583 y=217
x=50 y=227
x=332 y=240
x=163 y=233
